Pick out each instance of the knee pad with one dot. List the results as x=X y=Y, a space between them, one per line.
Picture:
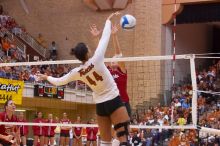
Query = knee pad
x=124 y=132
x=106 y=143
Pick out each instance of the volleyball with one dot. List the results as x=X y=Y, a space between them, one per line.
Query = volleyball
x=128 y=21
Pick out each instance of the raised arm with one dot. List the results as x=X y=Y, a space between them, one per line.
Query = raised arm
x=95 y=33
x=117 y=47
x=103 y=42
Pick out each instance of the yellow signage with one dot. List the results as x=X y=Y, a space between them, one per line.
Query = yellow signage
x=11 y=89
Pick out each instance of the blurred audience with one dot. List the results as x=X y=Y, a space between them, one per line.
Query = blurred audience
x=53 y=50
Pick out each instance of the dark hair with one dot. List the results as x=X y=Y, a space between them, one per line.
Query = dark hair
x=80 y=51
x=6 y=103
x=5 y=35
x=36 y=114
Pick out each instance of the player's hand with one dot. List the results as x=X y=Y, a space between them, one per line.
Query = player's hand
x=113 y=14
x=41 y=77
x=94 y=30
x=115 y=28
x=8 y=138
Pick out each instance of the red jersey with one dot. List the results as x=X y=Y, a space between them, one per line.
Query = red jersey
x=121 y=81
x=23 y=129
x=65 y=121
x=77 y=130
x=92 y=133
x=7 y=129
x=49 y=130
x=38 y=130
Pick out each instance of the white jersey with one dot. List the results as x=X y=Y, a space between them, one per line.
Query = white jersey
x=94 y=72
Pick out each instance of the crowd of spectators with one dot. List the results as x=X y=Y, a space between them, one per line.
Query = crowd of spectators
x=10 y=24
x=7 y=22
x=8 y=48
x=181 y=106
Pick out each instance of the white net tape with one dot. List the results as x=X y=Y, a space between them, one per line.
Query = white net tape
x=202 y=129
x=95 y=125
x=144 y=58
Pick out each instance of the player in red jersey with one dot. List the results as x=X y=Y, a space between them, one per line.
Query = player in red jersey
x=49 y=131
x=119 y=72
x=9 y=134
x=38 y=131
x=64 y=133
x=23 y=129
x=91 y=134
x=77 y=133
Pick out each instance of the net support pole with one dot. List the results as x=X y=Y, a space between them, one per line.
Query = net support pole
x=194 y=89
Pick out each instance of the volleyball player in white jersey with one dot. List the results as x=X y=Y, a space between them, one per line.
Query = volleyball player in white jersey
x=109 y=107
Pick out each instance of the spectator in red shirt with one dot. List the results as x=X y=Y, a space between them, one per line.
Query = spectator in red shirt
x=9 y=134
x=38 y=131
x=23 y=129
x=49 y=131
x=91 y=134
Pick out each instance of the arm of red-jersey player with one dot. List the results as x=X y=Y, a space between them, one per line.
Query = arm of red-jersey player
x=81 y=132
x=74 y=134
x=96 y=130
x=17 y=135
x=95 y=33
x=117 y=47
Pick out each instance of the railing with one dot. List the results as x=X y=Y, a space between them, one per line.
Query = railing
x=21 y=46
x=33 y=43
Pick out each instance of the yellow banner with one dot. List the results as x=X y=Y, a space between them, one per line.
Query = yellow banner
x=11 y=89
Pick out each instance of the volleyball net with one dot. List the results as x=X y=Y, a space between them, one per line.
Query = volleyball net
x=163 y=93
